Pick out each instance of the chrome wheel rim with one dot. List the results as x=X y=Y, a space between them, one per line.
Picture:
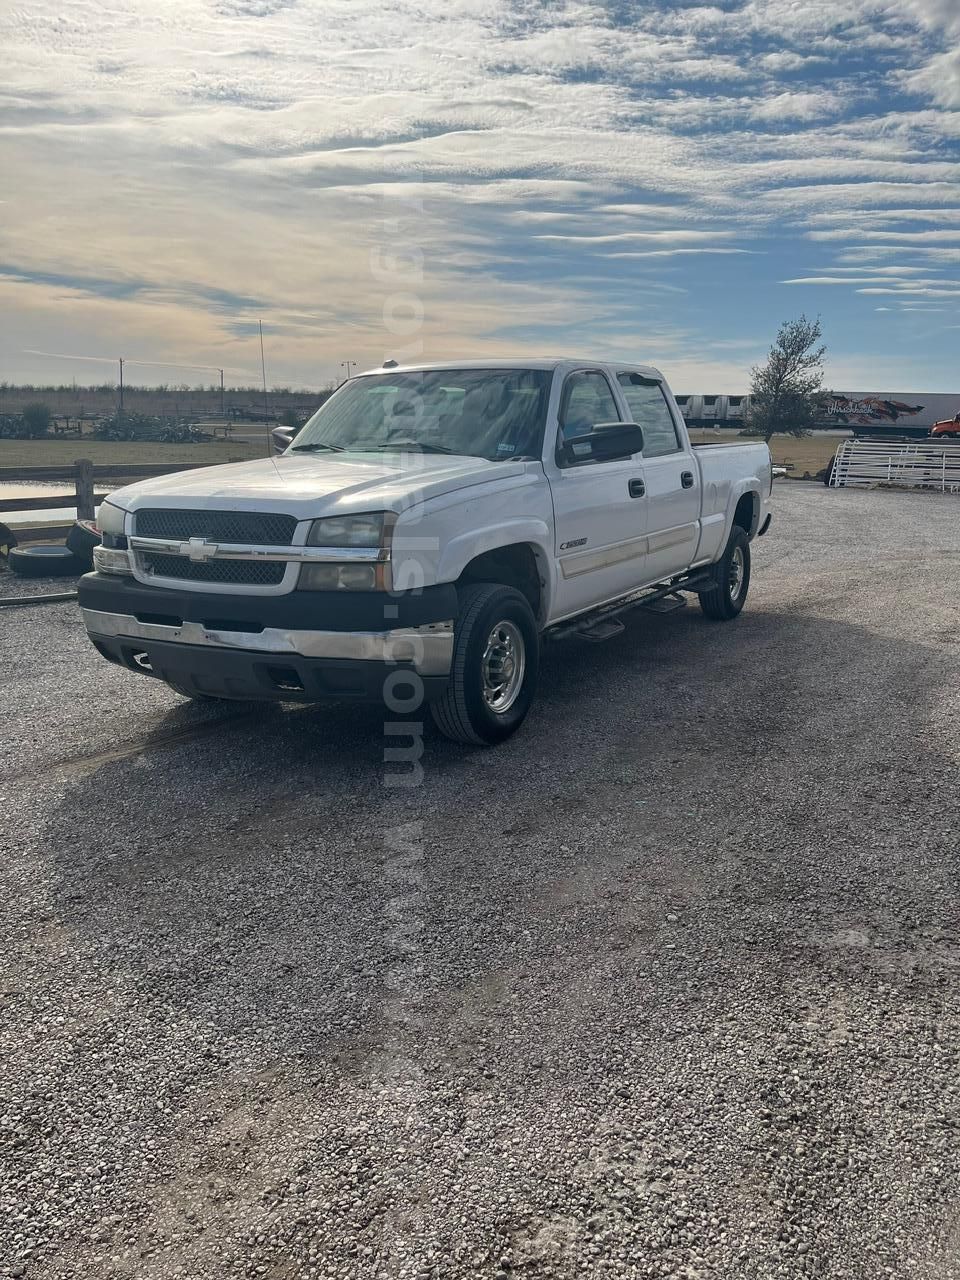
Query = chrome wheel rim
x=737 y=573
x=503 y=666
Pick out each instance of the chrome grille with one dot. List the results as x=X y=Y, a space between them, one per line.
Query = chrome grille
x=254 y=573
x=266 y=528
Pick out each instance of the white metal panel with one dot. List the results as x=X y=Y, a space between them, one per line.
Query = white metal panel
x=912 y=464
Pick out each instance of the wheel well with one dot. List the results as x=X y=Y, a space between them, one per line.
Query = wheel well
x=514 y=566
x=746 y=513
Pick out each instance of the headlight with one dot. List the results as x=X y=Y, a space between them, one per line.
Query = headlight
x=110 y=520
x=370 y=532
x=351 y=531
x=341 y=577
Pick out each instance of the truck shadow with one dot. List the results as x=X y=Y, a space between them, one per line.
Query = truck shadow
x=254 y=858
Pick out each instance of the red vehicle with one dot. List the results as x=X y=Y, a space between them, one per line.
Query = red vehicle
x=947 y=427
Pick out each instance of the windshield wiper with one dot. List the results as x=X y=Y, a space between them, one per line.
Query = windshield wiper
x=315 y=445
x=407 y=444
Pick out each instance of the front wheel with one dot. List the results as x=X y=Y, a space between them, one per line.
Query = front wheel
x=496 y=662
x=727 y=596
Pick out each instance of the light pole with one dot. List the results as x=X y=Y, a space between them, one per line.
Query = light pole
x=348 y=365
x=120 y=358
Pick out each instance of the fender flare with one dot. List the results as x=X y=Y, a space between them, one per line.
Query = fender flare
x=459 y=551
x=751 y=485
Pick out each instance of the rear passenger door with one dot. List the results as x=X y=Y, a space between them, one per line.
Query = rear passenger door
x=671 y=477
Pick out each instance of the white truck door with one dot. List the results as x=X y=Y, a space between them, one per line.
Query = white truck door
x=671 y=476
x=599 y=510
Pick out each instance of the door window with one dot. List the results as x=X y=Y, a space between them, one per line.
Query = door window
x=648 y=405
x=587 y=399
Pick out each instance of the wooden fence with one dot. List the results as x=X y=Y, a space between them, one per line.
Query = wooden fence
x=87 y=490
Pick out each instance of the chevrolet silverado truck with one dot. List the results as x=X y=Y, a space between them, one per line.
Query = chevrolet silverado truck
x=426 y=530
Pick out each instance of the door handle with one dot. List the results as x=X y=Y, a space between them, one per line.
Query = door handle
x=686 y=479
x=636 y=488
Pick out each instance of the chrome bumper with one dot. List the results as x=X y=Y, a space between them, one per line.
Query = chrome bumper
x=429 y=649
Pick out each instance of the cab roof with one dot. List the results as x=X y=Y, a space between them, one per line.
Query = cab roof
x=551 y=363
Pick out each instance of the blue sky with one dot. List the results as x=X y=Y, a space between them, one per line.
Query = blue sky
x=443 y=178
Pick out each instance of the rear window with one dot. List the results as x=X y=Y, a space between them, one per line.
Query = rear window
x=649 y=409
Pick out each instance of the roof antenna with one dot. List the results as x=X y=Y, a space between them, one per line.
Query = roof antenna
x=390 y=364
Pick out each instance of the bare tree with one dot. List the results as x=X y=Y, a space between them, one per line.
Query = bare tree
x=783 y=392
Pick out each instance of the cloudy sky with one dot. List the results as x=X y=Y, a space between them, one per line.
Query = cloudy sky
x=664 y=181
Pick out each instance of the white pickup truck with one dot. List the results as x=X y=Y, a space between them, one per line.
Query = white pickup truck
x=426 y=529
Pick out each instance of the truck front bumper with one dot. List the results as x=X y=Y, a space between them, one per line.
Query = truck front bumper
x=267 y=653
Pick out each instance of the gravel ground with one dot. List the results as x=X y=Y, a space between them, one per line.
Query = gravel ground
x=664 y=987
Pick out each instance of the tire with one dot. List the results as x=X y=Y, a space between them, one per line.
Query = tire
x=727 y=597
x=8 y=539
x=467 y=710
x=81 y=540
x=186 y=692
x=44 y=562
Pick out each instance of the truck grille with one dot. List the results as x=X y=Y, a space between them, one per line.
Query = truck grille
x=266 y=528
x=253 y=573
x=254 y=527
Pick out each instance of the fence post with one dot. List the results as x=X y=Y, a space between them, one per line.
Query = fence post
x=84 y=488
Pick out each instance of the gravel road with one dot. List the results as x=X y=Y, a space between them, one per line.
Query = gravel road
x=664 y=987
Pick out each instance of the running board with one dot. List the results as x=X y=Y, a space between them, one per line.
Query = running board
x=589 y=624
x=666 y=604
x=602 y=629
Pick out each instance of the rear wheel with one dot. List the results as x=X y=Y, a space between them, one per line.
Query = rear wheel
x=496 y=662
x=727 y=596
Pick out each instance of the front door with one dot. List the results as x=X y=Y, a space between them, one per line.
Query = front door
x=599 y=512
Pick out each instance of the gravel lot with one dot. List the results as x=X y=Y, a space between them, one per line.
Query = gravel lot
x=666 y=986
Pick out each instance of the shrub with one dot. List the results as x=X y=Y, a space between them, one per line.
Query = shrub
x=36 y=420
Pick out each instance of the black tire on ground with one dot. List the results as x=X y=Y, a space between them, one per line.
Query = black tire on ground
x=496 y=660
x=81 y=540
x=44 y=562
x=8 y=539
x=186 y=692
x=727 y=597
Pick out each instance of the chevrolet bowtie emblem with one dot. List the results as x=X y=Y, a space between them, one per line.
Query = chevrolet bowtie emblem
x=199 y=550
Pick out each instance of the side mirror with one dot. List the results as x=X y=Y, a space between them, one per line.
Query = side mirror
x=607 y=442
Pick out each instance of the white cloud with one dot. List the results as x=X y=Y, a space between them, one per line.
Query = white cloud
x=796 y=106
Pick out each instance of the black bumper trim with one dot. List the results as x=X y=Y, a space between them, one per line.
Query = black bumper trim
x=298 y=610
x=282 y=677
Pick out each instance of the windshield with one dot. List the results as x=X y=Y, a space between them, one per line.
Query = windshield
x=484 y=413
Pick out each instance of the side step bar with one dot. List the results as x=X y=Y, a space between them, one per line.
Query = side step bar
x=596 y=619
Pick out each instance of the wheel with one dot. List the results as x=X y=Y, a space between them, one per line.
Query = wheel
x=45 y=561
x=496 y=662
x=727 y=597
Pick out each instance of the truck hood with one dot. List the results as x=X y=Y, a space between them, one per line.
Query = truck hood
x=312 y=485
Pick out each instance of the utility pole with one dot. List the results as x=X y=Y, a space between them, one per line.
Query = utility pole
x=263 y=370
x=121 y=385
x=222 y=413
x=348 y=365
